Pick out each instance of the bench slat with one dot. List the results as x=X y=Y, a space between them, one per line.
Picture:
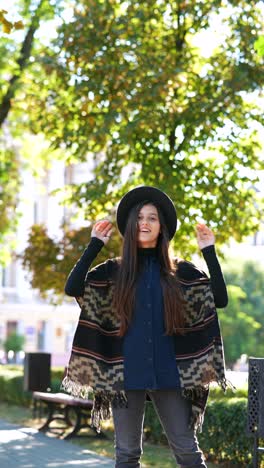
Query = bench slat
x=63 y=399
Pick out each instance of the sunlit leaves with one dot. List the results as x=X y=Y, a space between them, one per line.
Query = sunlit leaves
x=49 y=269
x=17 y=54
x=9 y=188
x=7 y=25
x=242 y=321
x=259 y=46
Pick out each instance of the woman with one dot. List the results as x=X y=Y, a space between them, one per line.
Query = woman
x=148 y=327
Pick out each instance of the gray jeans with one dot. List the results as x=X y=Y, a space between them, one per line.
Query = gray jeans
x=173 y=411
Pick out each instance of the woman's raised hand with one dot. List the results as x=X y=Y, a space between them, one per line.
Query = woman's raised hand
x=205 y=236
x=102 y=230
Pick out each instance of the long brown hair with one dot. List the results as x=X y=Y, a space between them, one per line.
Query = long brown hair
x=124 y=294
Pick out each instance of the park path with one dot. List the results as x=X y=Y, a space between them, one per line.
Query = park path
x=23 y=447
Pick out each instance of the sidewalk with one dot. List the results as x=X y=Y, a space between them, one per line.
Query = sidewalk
x=23 y=447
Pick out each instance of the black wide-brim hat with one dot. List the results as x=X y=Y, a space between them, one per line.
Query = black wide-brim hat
x=150 y=194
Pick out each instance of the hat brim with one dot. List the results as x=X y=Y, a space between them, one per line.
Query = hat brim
x=152 y=194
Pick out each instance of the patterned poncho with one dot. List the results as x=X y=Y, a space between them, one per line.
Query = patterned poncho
x=96 y=364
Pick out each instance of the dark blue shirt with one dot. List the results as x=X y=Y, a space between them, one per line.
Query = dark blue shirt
x=149 y=357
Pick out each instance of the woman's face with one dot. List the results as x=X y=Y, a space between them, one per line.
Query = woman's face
x=148 y=226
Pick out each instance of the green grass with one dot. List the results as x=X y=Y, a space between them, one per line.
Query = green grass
x=154 y=455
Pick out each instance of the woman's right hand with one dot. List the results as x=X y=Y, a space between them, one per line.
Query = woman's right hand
x=102 y=230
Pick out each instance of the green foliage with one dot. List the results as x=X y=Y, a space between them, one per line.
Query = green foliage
x=15 y=51
x=224 y=433
x=57 y=373
x=126 y=82
x=239 y=328
x=12 y=385
x=223 y=438
x=242 y=322
x=20 y=51
x=14 y=342
x=249 y=275
x=153 y=430
x=10 y=181
x=259 y=46
x=55 y=259
x=216 y=393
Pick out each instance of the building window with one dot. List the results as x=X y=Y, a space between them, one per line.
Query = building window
x=41 y=331
x=11 y=327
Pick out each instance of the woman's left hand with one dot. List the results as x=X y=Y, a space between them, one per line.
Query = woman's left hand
x=205 y=236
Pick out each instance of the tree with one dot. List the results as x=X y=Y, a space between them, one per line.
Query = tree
x=126 y=82
x=54 y=260
x=9 y=189
x=248 y=276
x=16 y=56
x=21 y=58
x=14 y=342
x=239 y=327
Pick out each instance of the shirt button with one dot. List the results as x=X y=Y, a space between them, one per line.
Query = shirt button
x=150 y=359
x=149 y=323
x=150 y=340
x=149 y=305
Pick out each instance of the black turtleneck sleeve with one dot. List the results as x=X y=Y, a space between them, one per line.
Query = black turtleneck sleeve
x=216 y=276
x=188 y=271
x=75 y=282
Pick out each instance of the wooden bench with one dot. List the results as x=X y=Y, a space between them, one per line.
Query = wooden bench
x=60 y=407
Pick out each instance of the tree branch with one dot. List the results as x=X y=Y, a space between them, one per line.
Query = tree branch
x=24 y=55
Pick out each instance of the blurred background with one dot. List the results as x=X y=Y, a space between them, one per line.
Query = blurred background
x=100 y=96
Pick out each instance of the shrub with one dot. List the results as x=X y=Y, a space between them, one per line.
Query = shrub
x=153 y=431
x=216 y=393
x=12 y=391
x=12 y=384
x=224 y=437
x=57 y=373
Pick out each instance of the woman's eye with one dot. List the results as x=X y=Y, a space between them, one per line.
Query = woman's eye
x=140 y=218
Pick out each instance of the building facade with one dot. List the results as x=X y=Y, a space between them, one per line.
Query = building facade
x=46 y=328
